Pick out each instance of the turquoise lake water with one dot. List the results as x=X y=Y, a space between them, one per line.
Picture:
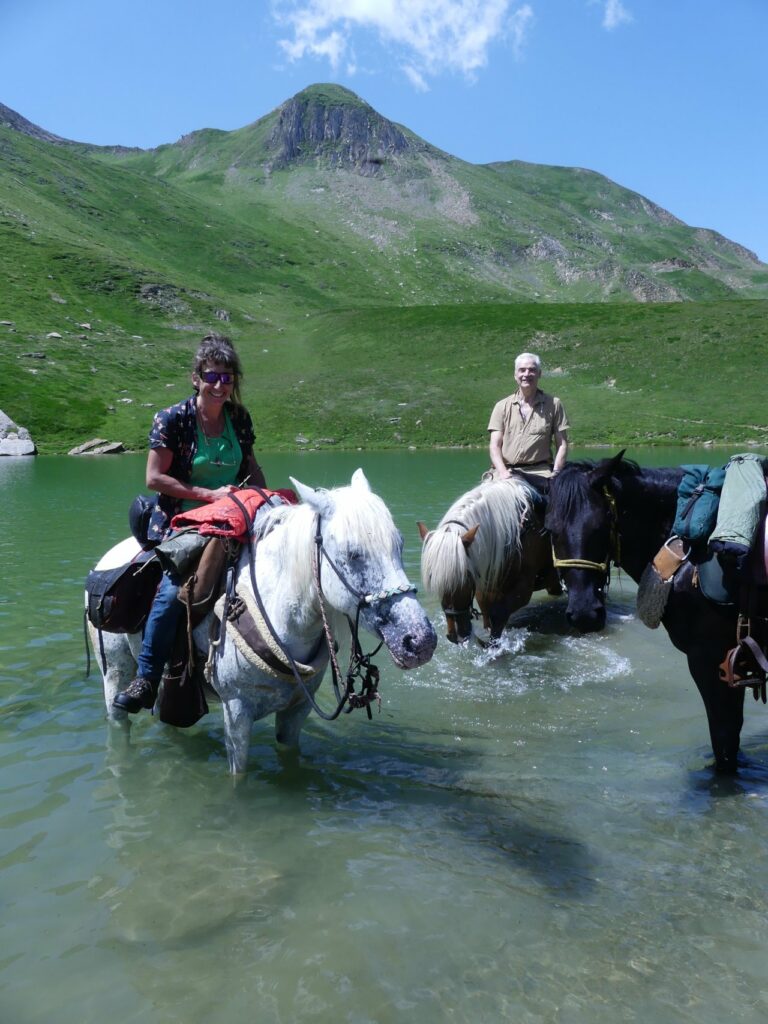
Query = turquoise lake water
x=533 y=836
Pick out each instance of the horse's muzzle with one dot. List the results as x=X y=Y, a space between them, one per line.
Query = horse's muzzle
x=411 y=649
x=408 y=633
x=587 y=620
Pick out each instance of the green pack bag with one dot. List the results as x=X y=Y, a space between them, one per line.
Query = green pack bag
x=742 y=505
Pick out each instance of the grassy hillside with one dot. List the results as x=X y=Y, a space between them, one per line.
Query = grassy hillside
x=376 y=287
x=424 y=376
x=661 y=374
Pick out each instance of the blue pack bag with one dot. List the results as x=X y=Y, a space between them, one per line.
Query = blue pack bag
x=698 y=498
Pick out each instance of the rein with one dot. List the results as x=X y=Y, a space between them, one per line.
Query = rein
x=614 y=545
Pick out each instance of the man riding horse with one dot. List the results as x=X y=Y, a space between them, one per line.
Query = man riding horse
x=526 y=425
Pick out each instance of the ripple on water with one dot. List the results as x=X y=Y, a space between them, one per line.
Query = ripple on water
x=522 y=661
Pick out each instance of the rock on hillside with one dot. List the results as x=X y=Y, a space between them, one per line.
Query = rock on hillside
x=14 y=440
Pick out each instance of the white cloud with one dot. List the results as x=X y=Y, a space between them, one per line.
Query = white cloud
x=435 y=35
x=415 y=77
x=520 y=22
x=615 y=14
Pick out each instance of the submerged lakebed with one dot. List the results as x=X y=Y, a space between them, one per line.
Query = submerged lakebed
x=533 y=835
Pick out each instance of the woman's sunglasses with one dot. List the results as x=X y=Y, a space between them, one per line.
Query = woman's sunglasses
x=213 y=377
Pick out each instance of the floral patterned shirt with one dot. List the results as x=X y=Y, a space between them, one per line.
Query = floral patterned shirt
x=175 y=428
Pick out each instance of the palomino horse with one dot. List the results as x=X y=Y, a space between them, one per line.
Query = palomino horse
x=616 y=511
x=490 y=544
x=336 y=558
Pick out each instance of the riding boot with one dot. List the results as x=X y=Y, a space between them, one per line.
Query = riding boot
x=141 y=693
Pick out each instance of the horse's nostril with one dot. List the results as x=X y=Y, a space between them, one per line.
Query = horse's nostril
x=408 y=643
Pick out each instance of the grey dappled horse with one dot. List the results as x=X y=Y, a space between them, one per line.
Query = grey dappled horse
x=361 y=576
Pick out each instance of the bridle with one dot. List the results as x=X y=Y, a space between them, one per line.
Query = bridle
x=614 y=544
x=360 y=665
x=451 y=620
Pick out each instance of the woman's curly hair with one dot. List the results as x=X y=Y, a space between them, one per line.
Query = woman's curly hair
x=217 y=348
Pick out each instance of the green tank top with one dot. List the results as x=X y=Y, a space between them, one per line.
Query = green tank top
x=216 y=461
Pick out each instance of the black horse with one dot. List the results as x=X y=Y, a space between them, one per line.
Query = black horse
x=616 y=511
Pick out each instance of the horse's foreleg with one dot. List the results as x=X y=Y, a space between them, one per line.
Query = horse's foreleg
x=238 y=722
x=501 y=608
x=288 y=724
x=725 y=710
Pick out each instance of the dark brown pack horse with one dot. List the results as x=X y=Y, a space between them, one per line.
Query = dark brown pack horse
x=614 y=511
x=489 y=545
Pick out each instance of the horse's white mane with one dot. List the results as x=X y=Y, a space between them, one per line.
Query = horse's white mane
x=498 y=508
x=359 y=518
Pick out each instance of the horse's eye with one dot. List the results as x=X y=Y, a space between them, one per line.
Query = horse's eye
x=355 y=555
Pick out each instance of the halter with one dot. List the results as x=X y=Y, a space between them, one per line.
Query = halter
x=614 y=544
x=362 y=599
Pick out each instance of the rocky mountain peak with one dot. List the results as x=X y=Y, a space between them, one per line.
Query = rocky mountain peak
x=331 y=123
x=10 y=119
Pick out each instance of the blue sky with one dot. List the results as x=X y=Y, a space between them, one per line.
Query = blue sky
x=667 y=97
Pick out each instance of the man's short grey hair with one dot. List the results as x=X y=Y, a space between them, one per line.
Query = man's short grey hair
x=529 y=357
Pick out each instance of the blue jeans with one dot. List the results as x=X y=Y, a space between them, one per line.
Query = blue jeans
x=160 y=630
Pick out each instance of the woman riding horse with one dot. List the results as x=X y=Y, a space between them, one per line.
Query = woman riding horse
x=198 y=450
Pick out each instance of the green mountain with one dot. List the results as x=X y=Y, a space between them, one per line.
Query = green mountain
x=113 y=261
x=433 y=228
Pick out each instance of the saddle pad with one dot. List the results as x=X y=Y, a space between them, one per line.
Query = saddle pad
x=257 y=644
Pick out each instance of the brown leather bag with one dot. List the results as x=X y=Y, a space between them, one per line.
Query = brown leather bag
x=201 y=589
x=182 y=698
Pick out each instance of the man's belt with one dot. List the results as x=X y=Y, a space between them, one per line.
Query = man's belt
x=528 y=465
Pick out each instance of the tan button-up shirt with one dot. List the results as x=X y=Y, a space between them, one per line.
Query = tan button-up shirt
x=525 y=443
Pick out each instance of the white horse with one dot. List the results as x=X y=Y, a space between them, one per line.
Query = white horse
x=351 y=535
x=490 y=544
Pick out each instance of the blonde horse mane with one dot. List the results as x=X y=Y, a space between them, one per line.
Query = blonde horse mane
x=498 y=509
x=359 y=518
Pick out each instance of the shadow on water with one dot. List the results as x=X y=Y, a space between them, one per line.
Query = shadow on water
x=426 y=783
x=547 y=616
x=751 y=780
x=398 y=778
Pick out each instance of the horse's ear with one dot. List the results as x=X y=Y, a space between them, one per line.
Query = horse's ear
x=423 y=531
x=469 y=536
x=320 y=500
x=606 y=469
x=360 y=480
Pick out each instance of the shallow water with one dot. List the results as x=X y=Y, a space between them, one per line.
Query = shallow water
x=533 y=835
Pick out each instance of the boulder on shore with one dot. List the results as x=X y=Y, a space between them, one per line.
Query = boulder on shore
x=98 y=446
x=14 y=440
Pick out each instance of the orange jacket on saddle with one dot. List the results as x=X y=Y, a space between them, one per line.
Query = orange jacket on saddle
x=225 y=517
